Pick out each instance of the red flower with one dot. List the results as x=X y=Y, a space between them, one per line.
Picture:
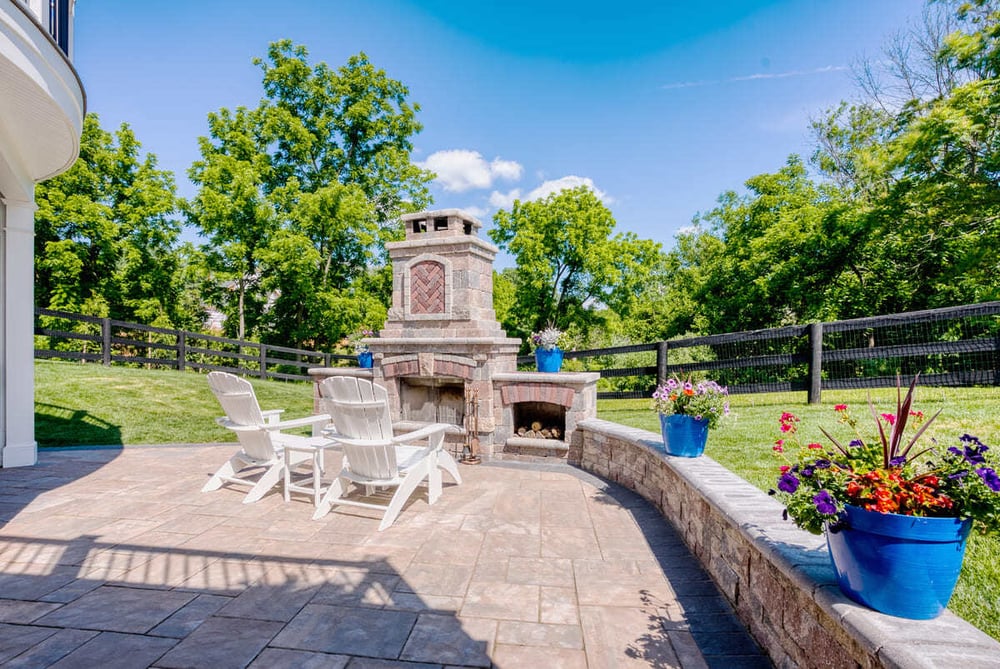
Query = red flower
x=840 y=407
x=815 y=446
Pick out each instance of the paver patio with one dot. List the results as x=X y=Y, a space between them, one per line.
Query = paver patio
x=113 y=558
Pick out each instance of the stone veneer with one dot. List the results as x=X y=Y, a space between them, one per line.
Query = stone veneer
x=778 y=577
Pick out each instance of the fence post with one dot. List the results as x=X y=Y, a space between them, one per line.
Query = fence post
x=815 y=362
x=106 y=341
x=661 y=363
x=326 y=360
x=263 y=360
x=181 y=350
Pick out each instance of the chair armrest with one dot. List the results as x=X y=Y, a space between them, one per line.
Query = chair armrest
x=340 y=439
x=272 y=415
x=320 y=418
x=422 y=433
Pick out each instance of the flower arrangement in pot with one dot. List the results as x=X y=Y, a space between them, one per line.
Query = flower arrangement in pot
x=548 y=351
x=361 y=350
x=688 y=410
x=896 y=514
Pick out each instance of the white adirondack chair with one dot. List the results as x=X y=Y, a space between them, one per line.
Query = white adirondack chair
x=261 y=461
x=373 y=456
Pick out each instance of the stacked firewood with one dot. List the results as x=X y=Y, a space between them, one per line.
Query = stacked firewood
x=536 y=431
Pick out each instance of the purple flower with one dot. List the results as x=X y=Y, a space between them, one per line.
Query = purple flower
x=970 y=439
x=807 y=472
x=959 y=475
x=898 y=461
x=974 y=456
x=990 y=478
x=825 y=503
x=856 y=443
x=822 y=464
x=788 y=482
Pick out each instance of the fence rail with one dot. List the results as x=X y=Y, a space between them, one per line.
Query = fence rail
x=109 y=341
x=954 y=346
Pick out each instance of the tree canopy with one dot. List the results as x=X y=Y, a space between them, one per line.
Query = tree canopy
x=298 y=195
x=568 y=262
x=106 y=239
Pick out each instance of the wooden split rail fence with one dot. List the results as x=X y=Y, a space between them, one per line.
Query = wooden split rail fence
x=953 y=346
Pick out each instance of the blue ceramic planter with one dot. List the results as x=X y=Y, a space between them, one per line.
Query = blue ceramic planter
x=548 y=361
x=365 y=359
x=684 y=435
x=904 y=566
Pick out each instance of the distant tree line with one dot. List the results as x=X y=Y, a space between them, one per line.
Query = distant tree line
x=897 y=209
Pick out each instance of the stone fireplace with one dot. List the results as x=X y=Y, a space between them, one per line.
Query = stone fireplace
x=443 y=356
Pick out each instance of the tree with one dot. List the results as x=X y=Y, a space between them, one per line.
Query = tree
x=105 y=236
x=567 y=261
x=299 y=195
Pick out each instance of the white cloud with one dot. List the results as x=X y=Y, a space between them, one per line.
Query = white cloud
x=478 y=212
x=756 y=77
x=504 y=200
x=460 y=170
x=506 y=169
x=571 y=181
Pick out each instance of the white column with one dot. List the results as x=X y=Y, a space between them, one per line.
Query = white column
x=17 y=347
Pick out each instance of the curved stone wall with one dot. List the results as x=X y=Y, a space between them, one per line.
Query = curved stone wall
x=777 y=577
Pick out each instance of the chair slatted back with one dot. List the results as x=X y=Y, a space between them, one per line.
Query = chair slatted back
x=360 y=410
x=240 y=404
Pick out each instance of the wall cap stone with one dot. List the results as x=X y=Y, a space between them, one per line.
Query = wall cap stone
x=802 y=558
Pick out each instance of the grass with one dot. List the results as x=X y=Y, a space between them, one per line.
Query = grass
x=87 y=404
x=743 y=444
x=77 y=404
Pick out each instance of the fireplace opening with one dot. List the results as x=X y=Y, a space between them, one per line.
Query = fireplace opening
x=432 y=400
x=539 y=420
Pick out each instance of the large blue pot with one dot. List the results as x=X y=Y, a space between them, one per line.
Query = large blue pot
x=904 y=566
x=365 y=359
x=684 y=435
x=548 y=360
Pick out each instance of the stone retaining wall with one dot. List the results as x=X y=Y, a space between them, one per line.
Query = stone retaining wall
x=777 y=577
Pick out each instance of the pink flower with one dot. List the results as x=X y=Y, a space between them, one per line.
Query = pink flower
x=889 y=418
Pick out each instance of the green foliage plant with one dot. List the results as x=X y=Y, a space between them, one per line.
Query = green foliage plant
x=886 y=471
x=699 y=399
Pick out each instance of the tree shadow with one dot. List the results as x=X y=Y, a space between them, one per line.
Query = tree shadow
x=700 y=619
x=85 y=602
x=57 y=425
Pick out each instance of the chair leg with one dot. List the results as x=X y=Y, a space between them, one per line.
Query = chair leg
x=267 y=480
x=447 y=463
x=334 y=492
x=403 y=492
x=226 y=471
x=433 y=484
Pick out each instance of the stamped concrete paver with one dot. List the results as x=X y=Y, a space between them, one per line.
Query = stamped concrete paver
x=524 y=565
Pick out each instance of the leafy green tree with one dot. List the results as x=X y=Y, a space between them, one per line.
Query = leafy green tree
x=568 y=262
x=299 y=195
x=105 y=236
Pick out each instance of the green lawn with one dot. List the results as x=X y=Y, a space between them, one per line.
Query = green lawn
x=743 y=445
x=78 y=404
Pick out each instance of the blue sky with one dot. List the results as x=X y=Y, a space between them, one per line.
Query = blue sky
x=659 y=106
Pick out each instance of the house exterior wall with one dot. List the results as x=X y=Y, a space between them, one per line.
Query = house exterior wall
x=41 y=117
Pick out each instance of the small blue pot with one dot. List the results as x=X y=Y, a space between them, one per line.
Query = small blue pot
x=904 y=566
x=365 y=359
x=683 y=435
x=548 y=361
